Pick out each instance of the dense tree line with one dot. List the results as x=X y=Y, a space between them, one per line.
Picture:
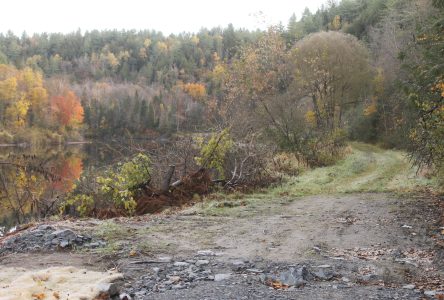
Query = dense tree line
x=374 y=74
x=145 y=57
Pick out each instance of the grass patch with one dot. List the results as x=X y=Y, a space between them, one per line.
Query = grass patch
x=111 y=231
x=366 y=169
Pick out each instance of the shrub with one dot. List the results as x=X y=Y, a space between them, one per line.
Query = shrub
x=213 y=153
x=286 y=163
x=121 y=184
x=114 y=190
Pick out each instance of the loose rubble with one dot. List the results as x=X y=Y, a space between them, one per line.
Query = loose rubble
x=166 y=275
x=46 y=238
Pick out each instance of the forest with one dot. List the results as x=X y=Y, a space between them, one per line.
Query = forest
x=229 y=100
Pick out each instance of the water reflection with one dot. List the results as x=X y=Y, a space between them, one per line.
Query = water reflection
x=33 y=179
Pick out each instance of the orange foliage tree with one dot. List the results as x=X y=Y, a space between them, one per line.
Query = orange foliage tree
x=67 y=109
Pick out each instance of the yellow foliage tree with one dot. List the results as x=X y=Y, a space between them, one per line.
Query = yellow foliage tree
x=20 y=92
x=196 y=90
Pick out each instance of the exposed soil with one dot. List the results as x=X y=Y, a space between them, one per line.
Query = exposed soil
x=375 y=244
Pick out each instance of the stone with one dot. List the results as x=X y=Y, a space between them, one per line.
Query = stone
x=181 y=264
x=192 y=276
x=174 y=279
x=369 y=277
x=324 y=274
x=45 y=227
x=238 y=263
x=64 y=243
x=93 y=245
x=112 y=289
x=124 y=296
x=295 y=277
x=202 y=262
x=409 y=286
x=221 y=277
x=430 y=293
x=65 y=234
x=254 y=271
x=178 y=286
x=206 y=253
x=165 y=259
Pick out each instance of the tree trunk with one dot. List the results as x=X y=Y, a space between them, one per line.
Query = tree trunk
x=168 y=176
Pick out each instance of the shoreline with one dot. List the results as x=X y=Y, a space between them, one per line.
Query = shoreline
x=26 y=145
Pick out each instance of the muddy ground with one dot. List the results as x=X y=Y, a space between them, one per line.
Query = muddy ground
x=368 y=246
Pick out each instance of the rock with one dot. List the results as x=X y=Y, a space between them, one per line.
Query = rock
x=174 y=279
x=323 y=266
x=369 y=278
x=406 y=226
x=409 y=286
x=45 y=227
x=295 y=277
x=43 y=237
x=178 y=286
x=112 y=289
x=341 y=286
x=166 y=259
x=291 y=278
x=254 y=271
x=181 y=264
x=430 y=293
x=93 y=245
x=140 y=294
x=156 y=270
x=64 y=234
x=324 y=274
x=124 y=296
x=221 y=277
x=303 y=273
x=206 y=253
x=238 y=263
x=202 y=262
x=192 y=276
x=64 y=243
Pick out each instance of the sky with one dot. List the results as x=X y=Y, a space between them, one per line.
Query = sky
x=167 y=16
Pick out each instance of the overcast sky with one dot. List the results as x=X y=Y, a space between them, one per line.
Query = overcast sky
x=168 y=16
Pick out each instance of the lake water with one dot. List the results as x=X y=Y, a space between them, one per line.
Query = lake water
x=53 y=171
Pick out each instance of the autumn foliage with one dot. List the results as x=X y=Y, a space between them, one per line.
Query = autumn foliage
x=67 y=109
x=22 y=96
x=196 y=90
